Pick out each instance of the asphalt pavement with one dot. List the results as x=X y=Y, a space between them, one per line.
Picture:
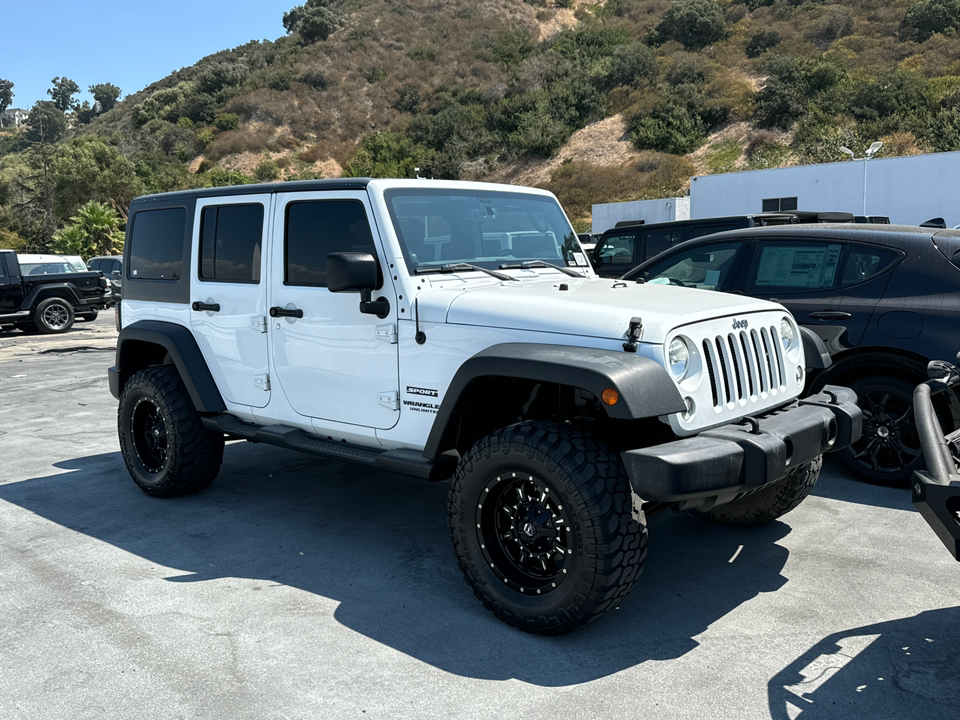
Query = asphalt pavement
x=301 y=588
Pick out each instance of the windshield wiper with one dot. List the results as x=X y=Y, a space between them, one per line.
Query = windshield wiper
x=460 y=267
x=540 y=264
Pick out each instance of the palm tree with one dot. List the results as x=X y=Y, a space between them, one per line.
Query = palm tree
x=94 y=230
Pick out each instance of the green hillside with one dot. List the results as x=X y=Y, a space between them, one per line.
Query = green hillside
x=496 y=89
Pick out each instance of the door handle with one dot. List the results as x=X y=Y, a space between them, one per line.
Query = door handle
x=210 y=307
x=283 y=312
x=830 y=315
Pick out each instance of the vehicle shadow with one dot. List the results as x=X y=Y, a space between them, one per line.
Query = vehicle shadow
x=897 y=669
x=837 y=483
x=379 y=544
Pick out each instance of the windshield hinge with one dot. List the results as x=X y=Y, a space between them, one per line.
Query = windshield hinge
x=387 y=332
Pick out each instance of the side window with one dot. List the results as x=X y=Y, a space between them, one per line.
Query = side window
x=156 y=244
x=316 y=228
x=231 y=237
x=618 y=250
x=705 y=267
x=660 y=240
x=797 y=266
x=864 y=262
x=114 y=266
x=94 y=264
x=3 y=266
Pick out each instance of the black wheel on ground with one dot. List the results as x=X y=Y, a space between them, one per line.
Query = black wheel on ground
x=772 y=501
x=545 y=527
x=53 y=315
x=165 y=446
x=888 y=450
x=88 y=316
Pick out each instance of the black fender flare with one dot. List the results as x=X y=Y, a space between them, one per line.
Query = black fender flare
x=184 y=352
x=645 y=388
x=815 y=353
x=66 y=291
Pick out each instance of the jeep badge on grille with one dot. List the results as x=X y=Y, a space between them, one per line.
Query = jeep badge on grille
x=739 y=324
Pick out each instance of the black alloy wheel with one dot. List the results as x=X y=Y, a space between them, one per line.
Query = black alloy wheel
x=888 y=450
x=525 y=535
x=149 y=435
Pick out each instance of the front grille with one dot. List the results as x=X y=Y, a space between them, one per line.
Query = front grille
x=744 y=366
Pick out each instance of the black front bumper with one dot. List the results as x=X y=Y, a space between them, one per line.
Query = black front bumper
x=732 y=459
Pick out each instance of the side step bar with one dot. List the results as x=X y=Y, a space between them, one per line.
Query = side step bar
x=403 y=461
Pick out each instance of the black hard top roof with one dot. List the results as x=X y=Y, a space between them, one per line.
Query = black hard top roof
x=259 y=188
x=864 y=232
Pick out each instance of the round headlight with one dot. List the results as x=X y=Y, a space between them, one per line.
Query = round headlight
x=678 y=356
x=787 y=334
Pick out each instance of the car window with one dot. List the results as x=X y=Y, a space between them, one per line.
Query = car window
x=112 y=266
x=93 y=265
x=44 y=268
x=796 y=265
x=660 y=240
x=316 y=228
x=618 y=249
x=705 y=267
x=231 y=237
x=864 y=262
x=156 y=244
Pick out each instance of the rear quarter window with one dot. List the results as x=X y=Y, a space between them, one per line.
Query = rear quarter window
x=156 y=244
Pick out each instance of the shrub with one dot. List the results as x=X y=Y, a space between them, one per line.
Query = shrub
x=927 y=17
x=634 y=64
x=834 y=24
x=761 y=41
x=226 y=121
x=722 y=157
x=314 y=78
x=693 y=23
x=266 y=171
x=669 y=128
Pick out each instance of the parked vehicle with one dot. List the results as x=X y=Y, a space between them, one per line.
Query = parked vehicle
x=112 y=268
x=936 y=490
x=885 y=299
x=44 y=293
x=444 y=329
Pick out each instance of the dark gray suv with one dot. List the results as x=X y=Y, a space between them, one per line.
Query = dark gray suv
x=885 y=299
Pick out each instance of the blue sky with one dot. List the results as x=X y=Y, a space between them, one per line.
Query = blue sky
x=123 y=43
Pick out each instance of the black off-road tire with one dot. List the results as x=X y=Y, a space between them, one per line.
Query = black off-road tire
x=546 y=527
x=53 y=315
x=773 y=501
x=165 y=446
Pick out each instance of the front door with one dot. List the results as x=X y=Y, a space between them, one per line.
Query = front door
x=331 y=361
x=228 y=294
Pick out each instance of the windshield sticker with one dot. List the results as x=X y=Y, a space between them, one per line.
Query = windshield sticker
x=579 y=260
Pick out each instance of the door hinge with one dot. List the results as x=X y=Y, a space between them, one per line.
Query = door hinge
x=259 y=323
x=390 y=399
x=387 y=332
x=262 y=381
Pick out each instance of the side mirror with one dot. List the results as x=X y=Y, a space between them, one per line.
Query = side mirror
x=116 y=274
x=357 y=272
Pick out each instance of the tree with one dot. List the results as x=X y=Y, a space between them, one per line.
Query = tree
x=46 y=123
x=94 y=230
x=6 y=94
x=313 y=20
x=106 y=94
x=62 y=93
x=927 y=17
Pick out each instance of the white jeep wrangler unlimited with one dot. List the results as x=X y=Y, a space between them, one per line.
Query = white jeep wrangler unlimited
x=456 y=330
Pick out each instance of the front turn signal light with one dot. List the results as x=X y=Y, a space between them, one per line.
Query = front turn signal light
x=610 y=396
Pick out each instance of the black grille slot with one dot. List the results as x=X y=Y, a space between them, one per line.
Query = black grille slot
x=708 y=359
x=723 y=370
x=735 y=361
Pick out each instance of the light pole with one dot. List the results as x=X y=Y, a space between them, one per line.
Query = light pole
x=871 y=151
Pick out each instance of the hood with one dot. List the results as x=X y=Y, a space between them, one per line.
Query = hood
x=591 y=307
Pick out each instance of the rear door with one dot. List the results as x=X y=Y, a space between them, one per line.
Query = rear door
x=831 y=286
x=228 y=294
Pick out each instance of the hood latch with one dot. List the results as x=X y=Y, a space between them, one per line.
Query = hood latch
x=633 y=335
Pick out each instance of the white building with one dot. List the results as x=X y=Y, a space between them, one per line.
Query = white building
x=908 y=190
x=13 y=117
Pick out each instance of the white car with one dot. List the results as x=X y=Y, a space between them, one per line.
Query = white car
x=456 y=330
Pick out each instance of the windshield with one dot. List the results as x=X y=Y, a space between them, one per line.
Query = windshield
x=491 y=230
